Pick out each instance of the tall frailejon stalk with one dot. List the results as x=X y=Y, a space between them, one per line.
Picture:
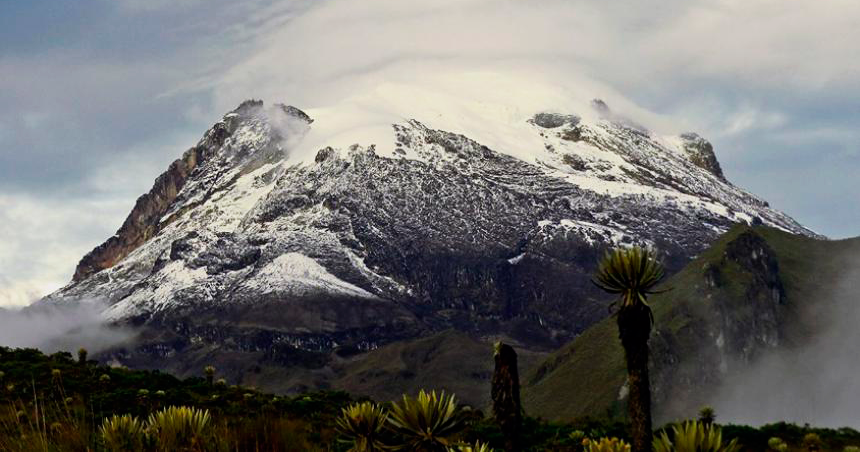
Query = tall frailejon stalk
x=632 y=274
x=505 y=393
x=209 y=371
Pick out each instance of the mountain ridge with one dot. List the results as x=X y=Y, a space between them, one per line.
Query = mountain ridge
x=242 y=248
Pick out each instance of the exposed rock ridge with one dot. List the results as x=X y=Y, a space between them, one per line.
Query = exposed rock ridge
x=156 y=209
x=143 y=221
x=701 y=153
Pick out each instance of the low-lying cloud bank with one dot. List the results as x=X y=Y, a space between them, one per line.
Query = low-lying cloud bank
x=60 y=328
x=816 y=383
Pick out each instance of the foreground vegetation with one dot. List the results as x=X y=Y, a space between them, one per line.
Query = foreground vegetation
x=63 y=403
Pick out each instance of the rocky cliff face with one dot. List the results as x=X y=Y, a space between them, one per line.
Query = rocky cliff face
x=737 y=304
x=242 y=247
x=740 y=316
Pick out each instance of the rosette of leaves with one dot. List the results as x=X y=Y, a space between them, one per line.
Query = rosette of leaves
x=476 y=447
x=180 y=428
x=633 y=273
x=776 y=444
x=122 y=433
x=812 y=442
x=362 y=425
x=695 y=437
x=605 y=445
x=427 y=422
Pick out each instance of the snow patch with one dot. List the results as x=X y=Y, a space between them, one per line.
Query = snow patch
x=297 y=273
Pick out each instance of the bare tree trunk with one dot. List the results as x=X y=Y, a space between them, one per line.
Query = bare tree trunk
x=506 y=395
x=634 y=327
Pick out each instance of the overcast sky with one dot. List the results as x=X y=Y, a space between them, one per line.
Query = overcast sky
x=97 y=97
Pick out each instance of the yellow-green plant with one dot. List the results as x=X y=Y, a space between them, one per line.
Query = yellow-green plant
x=632 y=273
x=812 y=442
x=777 y=444
x=122 y=433
x=707 y=415
x=851 y=449
x=605 y=445
x=426 y=423
x=577 y=436
x=362 y=424
x=209 y=371
x=694 y=436
x=476 y=447
x=180 y=428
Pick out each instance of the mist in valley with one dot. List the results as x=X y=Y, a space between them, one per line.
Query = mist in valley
x=60 y=328
x=816 y=383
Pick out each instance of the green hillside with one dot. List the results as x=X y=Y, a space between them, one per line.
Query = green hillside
x=755 y=289
x=450 y=360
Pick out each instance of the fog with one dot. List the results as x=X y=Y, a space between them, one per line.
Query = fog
x=55 y=328
x=817 y=383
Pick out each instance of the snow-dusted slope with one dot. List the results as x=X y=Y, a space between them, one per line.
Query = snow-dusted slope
x=417 y=229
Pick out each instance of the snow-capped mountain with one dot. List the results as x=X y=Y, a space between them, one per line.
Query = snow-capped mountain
x=250 y=240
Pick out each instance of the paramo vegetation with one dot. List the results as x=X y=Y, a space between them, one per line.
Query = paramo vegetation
x=59 y=403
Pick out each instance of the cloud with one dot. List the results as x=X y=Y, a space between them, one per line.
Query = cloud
x=56 y=328
x=813 y=383
x=155 y=5
x=42 y=240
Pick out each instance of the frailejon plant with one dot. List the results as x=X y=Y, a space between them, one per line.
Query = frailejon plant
x=209 y=371
x=812 y=442
x=505 y=392
x=122 y=433
x=426 y=423
x=707 y=415
x=694 y=436
x=180 y=428
x=577 y=436
x=605 y=445
x=633 y=273
x=476 y=447
x=777 y=444
x=362 y=426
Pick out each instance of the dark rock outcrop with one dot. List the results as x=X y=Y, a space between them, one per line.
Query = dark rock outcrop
x=701 y=153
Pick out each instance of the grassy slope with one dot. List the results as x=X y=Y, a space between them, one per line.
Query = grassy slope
x=585 y=376
x=450 y=361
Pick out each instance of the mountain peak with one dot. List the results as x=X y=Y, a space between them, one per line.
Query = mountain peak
x=246 y=137
x=421 y=228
